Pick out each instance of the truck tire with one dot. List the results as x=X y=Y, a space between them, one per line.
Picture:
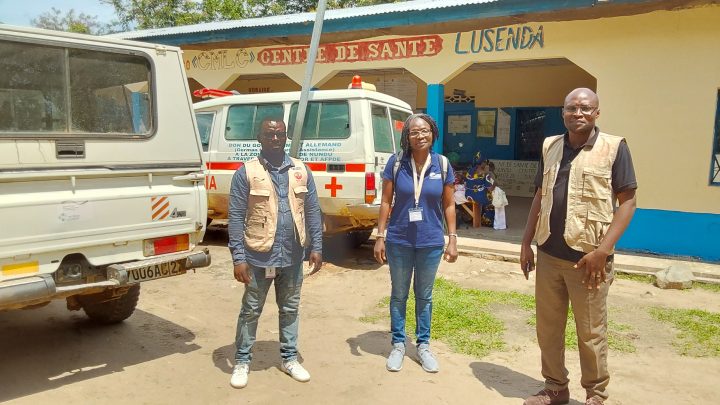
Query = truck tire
x=357 y=238
x=100 y=308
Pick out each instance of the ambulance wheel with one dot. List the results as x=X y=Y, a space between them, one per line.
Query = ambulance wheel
x=103 y=308
x=357 y=238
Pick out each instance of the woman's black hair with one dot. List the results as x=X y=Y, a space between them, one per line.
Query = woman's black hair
x=404 y=137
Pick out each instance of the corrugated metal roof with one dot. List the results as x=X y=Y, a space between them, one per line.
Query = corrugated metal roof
x=337 y=14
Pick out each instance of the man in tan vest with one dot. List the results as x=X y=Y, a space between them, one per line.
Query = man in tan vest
x=576 y=224
x=274 y=215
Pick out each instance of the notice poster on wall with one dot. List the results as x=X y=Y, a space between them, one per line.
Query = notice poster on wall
x=403 y=88
x=459 y=124
x=503 y=128
x=516 y=177
x=486 y=124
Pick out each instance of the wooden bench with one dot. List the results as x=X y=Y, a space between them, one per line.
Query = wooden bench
x=475 y=212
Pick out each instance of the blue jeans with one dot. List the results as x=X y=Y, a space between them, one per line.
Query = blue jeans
x=288 y=281
x=403 y=261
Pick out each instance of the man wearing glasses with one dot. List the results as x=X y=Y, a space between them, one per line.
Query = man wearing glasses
x=273 y=216
x=576 y=224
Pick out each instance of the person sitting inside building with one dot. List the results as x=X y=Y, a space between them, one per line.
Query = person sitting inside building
x=479 y=185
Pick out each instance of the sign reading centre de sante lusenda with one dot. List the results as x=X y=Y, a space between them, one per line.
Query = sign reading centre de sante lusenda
x=489 y=40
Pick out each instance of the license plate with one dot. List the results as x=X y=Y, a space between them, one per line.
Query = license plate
x=154 y=271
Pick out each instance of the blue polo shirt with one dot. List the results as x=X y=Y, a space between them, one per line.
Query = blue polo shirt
x=426 y=233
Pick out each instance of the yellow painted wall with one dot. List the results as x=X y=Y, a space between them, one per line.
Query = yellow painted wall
x=657 y=75
x=520 y=87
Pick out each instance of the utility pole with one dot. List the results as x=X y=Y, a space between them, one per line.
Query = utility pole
x=307 y=82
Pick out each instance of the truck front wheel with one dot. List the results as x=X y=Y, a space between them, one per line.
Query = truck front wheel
x=106 y=308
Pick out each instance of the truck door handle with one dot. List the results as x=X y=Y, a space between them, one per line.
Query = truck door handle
x=195 y=176
x=70 y=149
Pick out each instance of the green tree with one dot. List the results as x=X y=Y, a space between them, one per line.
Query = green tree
x=143 y=14
x=261 y=8
x=70 y=21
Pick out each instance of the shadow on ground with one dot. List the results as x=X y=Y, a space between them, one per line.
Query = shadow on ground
x=266 y=355
x=507 y=382
x=373 y=342
x=50 y=347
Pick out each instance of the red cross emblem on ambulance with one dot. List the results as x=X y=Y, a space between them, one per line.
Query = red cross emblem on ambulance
x=333 y=187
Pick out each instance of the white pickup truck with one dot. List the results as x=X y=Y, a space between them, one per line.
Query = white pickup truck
x=101 y=175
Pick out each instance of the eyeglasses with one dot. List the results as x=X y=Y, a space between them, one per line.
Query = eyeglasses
x=271 y=135
x=424 y=131
x=584 y=109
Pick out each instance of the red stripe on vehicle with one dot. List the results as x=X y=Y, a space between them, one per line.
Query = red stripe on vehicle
x=317 y=167
x=355 y=167
x=224 y=165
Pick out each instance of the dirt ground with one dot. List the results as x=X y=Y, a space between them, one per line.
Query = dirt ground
x=177 y=347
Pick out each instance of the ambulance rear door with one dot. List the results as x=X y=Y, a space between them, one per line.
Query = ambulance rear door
x=333 y=151
x=387 y=125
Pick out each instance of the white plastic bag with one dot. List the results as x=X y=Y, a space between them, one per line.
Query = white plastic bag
x=499 y=198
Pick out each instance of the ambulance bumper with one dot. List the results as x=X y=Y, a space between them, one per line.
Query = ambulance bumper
x=365 y=211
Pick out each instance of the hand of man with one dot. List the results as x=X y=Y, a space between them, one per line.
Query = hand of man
x=379 y=250
x=527 y=259
x=451 y=253
x=242 y=273
x=315 y=262
x=593 y=264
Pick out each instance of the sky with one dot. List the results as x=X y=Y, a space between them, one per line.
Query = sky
x=20 y=12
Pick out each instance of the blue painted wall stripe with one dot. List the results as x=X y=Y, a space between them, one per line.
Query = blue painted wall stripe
x=674 y=233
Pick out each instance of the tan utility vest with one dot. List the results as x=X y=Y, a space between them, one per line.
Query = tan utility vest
x=262 y=209
x=590 y=200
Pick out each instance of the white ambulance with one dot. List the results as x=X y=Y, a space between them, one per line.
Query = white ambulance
x=101 y=176
x=347 y=138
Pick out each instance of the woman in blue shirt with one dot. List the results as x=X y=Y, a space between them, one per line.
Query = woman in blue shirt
x=413 y=241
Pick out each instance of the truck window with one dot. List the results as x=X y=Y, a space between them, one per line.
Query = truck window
x=244 y=120
x=323 y=120
x=204 y=123
x=398 y=118
x=382 y=133
x=51 y=90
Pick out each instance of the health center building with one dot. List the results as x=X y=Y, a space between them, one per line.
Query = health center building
x=494 y=74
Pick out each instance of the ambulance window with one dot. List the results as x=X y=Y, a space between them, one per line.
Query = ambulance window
x=204 y=123
x=57 y=90
x=323 y=120
x=382 y=134
x=243 y=121
x=397 y=119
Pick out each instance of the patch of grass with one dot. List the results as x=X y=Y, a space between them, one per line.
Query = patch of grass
x=641 y=278
x=698 y=330
x=462 y=319
x=619 y=335
x=707 y=286
x=649 y=279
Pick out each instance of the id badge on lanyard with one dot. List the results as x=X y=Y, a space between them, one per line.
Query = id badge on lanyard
x=416 y=214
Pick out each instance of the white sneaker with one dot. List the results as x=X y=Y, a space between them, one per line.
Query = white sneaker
x=239 y=377
x=296 y=371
